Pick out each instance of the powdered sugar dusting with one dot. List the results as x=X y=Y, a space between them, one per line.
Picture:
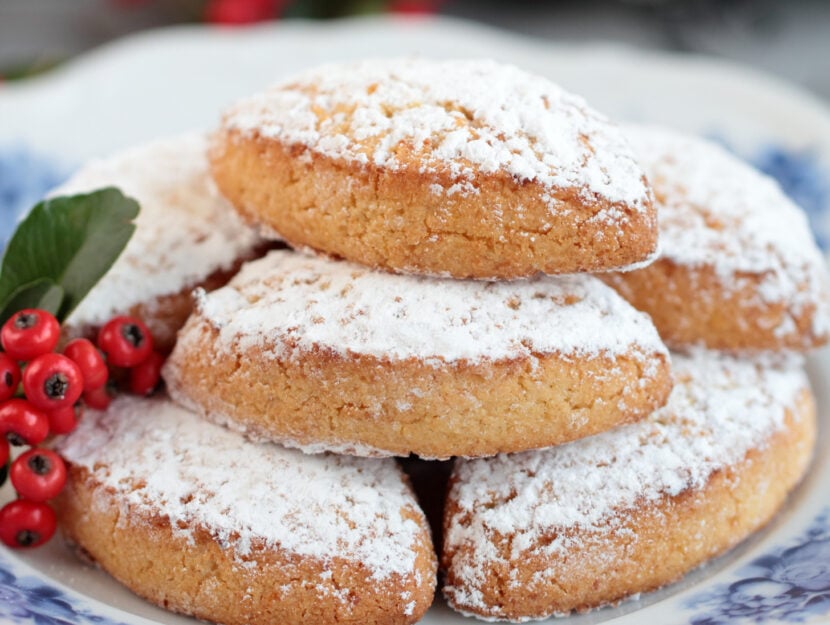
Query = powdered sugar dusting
x=185 y=229
x=169 y=462
x=720 y=408
x=290 y=303
x=715 y=210
x=461 y=118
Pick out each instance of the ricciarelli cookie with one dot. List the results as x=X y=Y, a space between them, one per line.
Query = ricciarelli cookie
x=197 y=520
x=592 y=522
x=468 y=169
x=186 y=235
x=329 y=355
x=738 y=268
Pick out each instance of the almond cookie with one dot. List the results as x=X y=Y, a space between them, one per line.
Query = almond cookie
x=197 y=520
x=329 y=355
x=738 y=268
x=468 y=169
x=187 y=235
x=592 y=522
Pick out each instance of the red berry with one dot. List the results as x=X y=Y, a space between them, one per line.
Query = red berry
x=9 y=376
x=145 y=377
x=89 y=361
x=38 y=475
x=64 y=420
x=100 y=398
x=29 y=333
x=52 y=381
x=22 y=423
x=25 y=523
x=241 y=11
x=126 y=341
x=414 y=7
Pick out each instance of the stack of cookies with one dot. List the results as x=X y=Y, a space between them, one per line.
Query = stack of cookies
x=446 y=189
x=432 y=208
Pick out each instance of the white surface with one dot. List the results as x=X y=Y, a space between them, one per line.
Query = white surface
x=171 y=81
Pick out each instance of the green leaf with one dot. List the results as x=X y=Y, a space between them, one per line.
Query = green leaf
x=69 y=241
x=43 y=294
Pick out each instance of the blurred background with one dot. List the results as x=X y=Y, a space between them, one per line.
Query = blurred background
x=788 y=38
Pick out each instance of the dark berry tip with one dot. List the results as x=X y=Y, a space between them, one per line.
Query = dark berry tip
x=27 y=538
x=25 y=321
x=8 y=379
x=15 y=440
x=39 y=464
x=56 y=386
x=133 y=334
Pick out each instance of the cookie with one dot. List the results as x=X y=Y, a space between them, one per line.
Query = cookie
x=592 y=522
x=197 y=520
x=738 y=268
x=187 y=235
x=331 y=356
x=468 y=169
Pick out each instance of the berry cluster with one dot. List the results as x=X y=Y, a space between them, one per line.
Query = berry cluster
x=55 y=388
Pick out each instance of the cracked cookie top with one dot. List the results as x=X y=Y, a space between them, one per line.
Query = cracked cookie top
x=457 y=119
x=165 y=461
x=289 y=303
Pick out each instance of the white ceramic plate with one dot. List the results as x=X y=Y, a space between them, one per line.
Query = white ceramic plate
x=174 y=80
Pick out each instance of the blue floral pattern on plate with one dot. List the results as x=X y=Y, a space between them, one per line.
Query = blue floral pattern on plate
x=29 y=599
x=24 y=179
x=788 y=584
x=803 y=179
